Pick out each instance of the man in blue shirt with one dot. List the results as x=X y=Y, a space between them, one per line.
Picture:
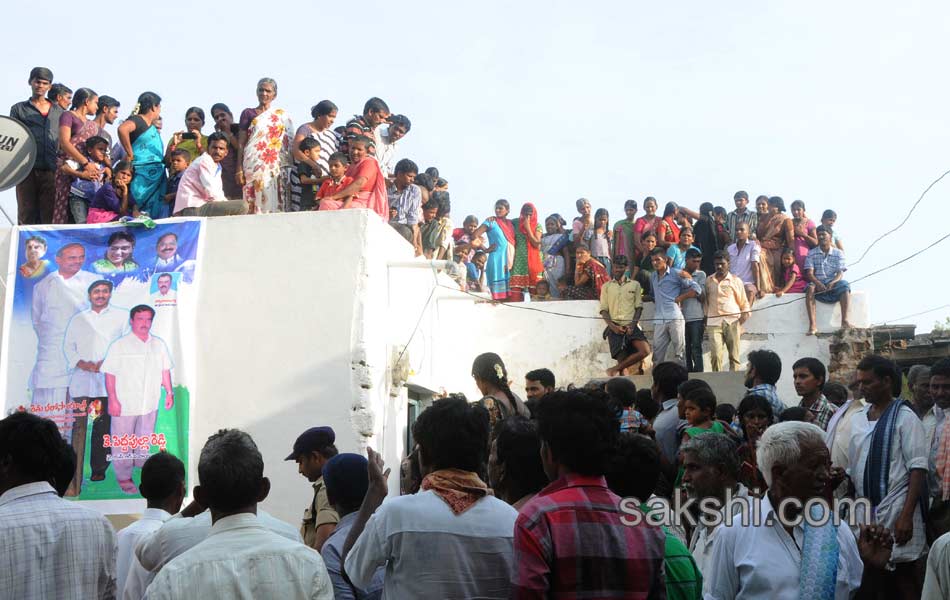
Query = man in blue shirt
x=824 y=272
x=670 y=287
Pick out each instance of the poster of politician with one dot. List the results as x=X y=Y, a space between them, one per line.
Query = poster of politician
x=99 y=338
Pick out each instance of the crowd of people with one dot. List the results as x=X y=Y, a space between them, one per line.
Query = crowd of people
x=703 y=269
x=602 y=491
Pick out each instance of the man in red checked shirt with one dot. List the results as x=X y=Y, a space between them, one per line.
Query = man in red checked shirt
x=572 y=540
x=137 y=367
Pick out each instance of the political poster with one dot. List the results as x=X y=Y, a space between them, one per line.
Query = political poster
x=99 y=339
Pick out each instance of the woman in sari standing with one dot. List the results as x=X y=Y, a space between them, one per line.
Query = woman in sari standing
x=623 y=234
x=554 y=245
x=775 y=234
x=805 y=236
x=320 y=129
x=143 y=148
x=528 y=265
x=648 y=223
x=368 y=189
x=75 y=127
x=668 y=229
x=589 y=277
x=264 y=143
x=501 y=249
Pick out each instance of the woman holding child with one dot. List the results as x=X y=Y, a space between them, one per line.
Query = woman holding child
x=320 y=129
x=75 y=127
x=368 y=189
x=264 y=144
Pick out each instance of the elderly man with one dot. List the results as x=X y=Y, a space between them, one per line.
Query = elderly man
x=711 y=470
x=312 y=450
x=52 y=548
x=137 y=368
x=87 y=338
x=771 y=557
x=889 y=468
x=240 y=557
x=56 y=299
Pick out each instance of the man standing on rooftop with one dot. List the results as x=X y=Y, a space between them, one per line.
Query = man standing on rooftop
x=34 y=195
x=741 y=215
x=669 y=288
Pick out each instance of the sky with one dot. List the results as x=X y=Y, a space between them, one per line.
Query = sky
x=841 y=105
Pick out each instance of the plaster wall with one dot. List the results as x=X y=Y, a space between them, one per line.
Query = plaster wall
x=325 y=319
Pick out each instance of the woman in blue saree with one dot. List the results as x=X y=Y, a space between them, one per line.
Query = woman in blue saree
x=501 y=250
x=144 y=149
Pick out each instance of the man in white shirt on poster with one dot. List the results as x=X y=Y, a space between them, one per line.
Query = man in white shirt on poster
x=239 y=556
x=87 y=338
x=137 y=367
x=56 y=299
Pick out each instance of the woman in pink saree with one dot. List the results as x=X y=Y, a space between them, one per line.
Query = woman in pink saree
x=368 y=189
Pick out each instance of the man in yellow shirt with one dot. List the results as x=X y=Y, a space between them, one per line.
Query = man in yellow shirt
x=621 y=303
x=727 y=308
x=313 y=449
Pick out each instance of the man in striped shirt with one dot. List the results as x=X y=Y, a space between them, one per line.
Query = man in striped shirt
x=614 y=558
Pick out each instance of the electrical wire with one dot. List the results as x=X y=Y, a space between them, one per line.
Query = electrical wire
x=916 y=314
x=901 y=224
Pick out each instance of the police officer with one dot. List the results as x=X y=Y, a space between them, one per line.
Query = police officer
x=313 y=448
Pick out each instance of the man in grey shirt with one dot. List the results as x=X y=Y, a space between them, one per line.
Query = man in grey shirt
x=694 y=314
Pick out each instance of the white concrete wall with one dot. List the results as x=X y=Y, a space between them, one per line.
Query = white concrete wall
x=302 y=316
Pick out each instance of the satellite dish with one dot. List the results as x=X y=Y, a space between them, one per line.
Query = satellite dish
x=17 y=152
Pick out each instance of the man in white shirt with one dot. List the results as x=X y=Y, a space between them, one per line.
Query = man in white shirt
x=240 y=557
x=137 y=367
x=49 y=547
x=386 y=136
x=87 y=338
x=56 y=299
x=189 y=528
x=200 y=191
x=765 y=558
x=711 y=470
x=745 y=260
x=452 y=539
x=891 y=476
x=163 y=486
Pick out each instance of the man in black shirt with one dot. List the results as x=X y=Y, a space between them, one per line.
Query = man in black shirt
x=34 y=194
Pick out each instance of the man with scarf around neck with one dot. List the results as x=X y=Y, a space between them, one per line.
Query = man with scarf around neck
x=888 y=466
x=763 y=556
x=572 y=540
x=453 y=538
